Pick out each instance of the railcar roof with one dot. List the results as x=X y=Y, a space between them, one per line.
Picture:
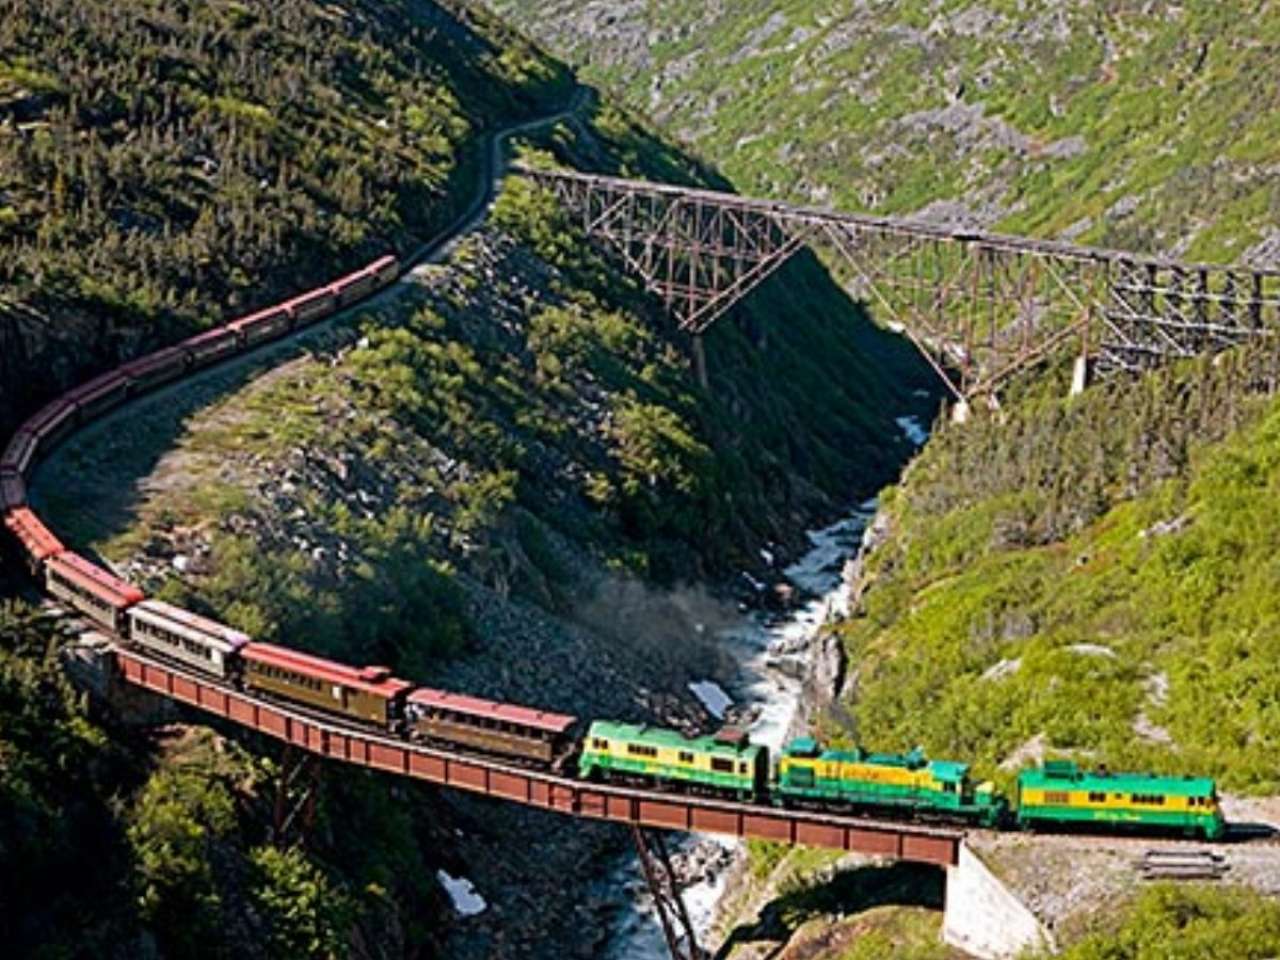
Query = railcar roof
x=167 y=611
x=35 y=536
x=91 y=389
x=152 y=360
x=808 y=748
x=96 y=580
x=330 y=670
x=477 y=707
x=49 y=413
x=1069 y=777
x=674 y=739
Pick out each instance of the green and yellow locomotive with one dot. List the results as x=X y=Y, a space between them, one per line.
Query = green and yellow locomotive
x=856 y=778
x=726 y=763
x=1060 y=794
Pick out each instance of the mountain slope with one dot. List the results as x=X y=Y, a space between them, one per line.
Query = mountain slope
x=163 y=167
x=1148 y=127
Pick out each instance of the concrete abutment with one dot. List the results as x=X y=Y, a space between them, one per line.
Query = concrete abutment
x=984 y=918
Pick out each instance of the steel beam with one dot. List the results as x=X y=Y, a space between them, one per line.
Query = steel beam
x=981 y=307
x=655 y=865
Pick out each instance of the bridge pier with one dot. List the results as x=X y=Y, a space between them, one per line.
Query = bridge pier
x=984 y=918
x=700 y=361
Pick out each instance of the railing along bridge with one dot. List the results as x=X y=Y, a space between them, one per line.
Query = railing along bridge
x=980 y=307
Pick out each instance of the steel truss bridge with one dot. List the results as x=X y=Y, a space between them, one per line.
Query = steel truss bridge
x=980 y=307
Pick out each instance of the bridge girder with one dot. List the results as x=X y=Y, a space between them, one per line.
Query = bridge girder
x=980 y=307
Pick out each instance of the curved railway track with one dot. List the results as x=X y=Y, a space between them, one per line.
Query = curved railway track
x=370 y=747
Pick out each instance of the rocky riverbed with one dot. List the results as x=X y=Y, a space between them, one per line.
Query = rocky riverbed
x=784 y=662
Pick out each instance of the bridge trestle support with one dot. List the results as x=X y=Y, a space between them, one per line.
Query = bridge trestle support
x=655 y=864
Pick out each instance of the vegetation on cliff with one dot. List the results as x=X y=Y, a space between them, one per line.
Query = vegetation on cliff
x=162 y=167
x=1089 y=575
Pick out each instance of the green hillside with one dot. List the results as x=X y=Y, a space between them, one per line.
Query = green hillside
x=163 y=166
x=1148 y=127
x=1092 y=576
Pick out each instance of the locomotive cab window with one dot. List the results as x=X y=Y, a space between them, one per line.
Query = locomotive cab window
x=600 y=744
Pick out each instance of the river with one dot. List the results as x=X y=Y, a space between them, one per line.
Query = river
x=774 y=654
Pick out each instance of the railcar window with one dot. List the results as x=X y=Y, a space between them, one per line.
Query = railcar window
x=639 y=750
x=1056 y=798
x=686 y=757
x=1097 y=798
x=600 y=744
x=721 y=765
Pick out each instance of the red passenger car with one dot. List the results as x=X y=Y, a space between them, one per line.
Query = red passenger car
x=93 y=591
x=19 y=453
x=50 y=424
x=13 y=491
x=501 y=728
x=263 y=325
x=99 y=395
x=37 y=542
x=155 y=368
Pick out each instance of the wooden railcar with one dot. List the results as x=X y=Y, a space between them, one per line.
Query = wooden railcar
x=155 y=369
x=484 y=725
x=50 y=424
x=99 y=395
x=97 y=594
x=19 y=453
x=35 y=540
x=178 y=634
x=385 y=270
x=261 y=326
x=366 y=694
x=312 y=306
x=13 y=491
x=210 y=346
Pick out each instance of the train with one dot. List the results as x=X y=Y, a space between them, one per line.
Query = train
x=725 y=764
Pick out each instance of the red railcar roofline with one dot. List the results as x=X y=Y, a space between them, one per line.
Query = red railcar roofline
x=18 y=454
x=99 y=384
x=41 y=419
x=476 y=707
x=151 y=360
x=35 y=536
x=330 y=670
x=96 y=580
x=211 y=334
x=318 y=293
x=258 y=315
